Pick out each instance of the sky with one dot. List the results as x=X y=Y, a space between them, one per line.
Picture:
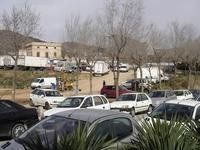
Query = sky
x=53 y=13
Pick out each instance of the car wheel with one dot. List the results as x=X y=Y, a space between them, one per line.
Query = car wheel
x=17 y=130
x=150 y=109
x=47 y=106
x=31 y=102
x=132 y=112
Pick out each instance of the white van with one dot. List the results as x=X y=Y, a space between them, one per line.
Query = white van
x=101 y=68
x=43 y=82
x=124 y=67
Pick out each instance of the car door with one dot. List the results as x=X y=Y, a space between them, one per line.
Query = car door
x=139 y=103
x=87 y=103
x=145 y=102
x=98 y=103
x=120 y=128
x=40 y=98
x=106 y=102
x=7 y=118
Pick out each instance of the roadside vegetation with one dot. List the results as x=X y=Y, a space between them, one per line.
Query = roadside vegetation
x=24 y=78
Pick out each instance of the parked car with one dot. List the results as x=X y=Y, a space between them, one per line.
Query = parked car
x=43 y=82
x=116 y=125
x=183 y=94
x=15 y=119
x=195 y=93
x=136 y=84
x=110 y=91
x=47 y=98
x=77 y=102
x=182 y=110
x=132 y=103
x=124 y=67
x=160 y=96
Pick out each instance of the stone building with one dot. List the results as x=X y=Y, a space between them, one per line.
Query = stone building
x=42 y=49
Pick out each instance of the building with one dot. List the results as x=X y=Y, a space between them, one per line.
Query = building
x=42 y=49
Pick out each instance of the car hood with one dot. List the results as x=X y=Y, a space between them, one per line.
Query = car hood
x=121 y=104
x=56 y=110
x=56 y=99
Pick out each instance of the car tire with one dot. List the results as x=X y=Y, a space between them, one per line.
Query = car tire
x=47 y=106
x=132 y=112
x=31 y=102
x=150 y=109
x=18 y=129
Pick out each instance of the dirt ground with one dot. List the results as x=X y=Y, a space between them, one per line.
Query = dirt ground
x=22 y=95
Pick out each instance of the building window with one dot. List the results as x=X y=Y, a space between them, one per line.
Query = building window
x=29 y=53
x=55 y=55
x=47 y=55
x=46 y=47
x=38 y=54
x=54 y=47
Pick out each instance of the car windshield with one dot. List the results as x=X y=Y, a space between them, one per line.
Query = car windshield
x=52 y=93
x=168 y=111
x=71 y=102
x=178 y=93
x=157 y=94
x=122 y=88
x=49 y=127
x=127 y=97
x=36 y=80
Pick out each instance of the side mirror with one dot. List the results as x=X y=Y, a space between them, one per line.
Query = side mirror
x=148 y=113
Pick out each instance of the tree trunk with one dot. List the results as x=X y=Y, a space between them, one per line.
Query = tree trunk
x=77 y=81
x=141 y=76
x=159 y=75
x=117 y=78
x=14 y=81
x=135 y=72
x=91 y=76
x=189 y=76
x=175 y=72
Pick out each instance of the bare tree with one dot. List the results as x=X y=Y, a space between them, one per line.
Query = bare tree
x=137 y=56
x=20 y=21
x=156 y=38
x=120 y=21
x=77 y=34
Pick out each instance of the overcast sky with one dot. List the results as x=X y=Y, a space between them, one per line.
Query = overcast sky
x=53 y=12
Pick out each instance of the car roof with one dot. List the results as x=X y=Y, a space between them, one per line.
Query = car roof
x=184 y=102
x=86 y=95
x=182 y=90
x=46 y=89
x=89 y=115
x=133 y=93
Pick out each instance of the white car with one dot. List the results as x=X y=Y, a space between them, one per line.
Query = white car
x=183 y=94
x=133 y=103
x=45 y=97
x=181 y=109
x=77 y=102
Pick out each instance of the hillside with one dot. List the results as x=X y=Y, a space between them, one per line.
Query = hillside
x=8 y=39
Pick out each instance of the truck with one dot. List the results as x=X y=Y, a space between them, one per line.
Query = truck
x=43 y=82
x=152 y=74
x=100 y=68
x=27 y=62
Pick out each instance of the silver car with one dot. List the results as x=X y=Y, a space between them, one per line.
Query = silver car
x=116 y=125
x=160 y=96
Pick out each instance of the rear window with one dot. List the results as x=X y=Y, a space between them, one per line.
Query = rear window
x=178 y=93
x=52 y=93
x=157 y=94
x=127 y=97
x=104 y=99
